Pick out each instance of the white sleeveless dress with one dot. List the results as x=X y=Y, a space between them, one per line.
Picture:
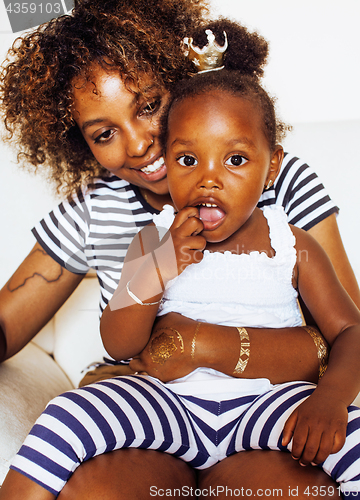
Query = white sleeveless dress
x=252 y=290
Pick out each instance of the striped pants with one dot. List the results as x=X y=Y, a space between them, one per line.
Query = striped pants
x=138 y=411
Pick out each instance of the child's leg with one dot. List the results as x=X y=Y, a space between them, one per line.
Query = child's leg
x=261 y=425
x=125 y=412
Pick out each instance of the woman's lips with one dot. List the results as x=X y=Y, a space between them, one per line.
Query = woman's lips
x=155 y=171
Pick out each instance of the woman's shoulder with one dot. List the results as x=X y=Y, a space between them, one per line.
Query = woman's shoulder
x=292 y=167
x=106 y=184
x=107 y=189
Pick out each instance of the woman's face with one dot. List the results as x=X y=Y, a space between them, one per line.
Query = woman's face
x=121 y=127
x=218 y=160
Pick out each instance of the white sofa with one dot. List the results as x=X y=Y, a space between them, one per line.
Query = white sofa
x=53 y=362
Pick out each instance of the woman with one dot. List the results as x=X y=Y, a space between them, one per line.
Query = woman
x=62 y=60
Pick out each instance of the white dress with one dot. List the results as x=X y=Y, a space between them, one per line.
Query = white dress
x=252 y=290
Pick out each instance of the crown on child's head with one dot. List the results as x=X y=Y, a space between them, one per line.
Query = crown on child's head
x=210 y=57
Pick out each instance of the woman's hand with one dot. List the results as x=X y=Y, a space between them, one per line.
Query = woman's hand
x=317 y=428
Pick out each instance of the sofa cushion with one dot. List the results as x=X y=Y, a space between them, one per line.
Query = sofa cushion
x=78 y=342
x=29 y=380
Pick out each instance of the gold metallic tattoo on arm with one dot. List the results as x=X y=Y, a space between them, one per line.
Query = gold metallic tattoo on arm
x=161 y=348
x=193 y=342
x=244 y=350
x=23 y=283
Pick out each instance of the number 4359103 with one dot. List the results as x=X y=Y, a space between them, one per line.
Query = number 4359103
x=33 y=8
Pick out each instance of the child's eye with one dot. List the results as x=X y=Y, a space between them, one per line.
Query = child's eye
x=151 y=108
x=187 y=161
x=236 y=161
x=104 y=136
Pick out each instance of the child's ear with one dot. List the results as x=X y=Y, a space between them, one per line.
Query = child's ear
x=275 y=165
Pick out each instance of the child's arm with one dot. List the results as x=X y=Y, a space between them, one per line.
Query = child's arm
x=218 y=347
x=127 y=321
x=318 y=426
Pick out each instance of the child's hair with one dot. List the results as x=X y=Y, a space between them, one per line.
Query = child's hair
x=243 y=66
x=132 y=36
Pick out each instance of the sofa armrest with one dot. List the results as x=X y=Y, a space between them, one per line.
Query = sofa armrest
x=28 y=381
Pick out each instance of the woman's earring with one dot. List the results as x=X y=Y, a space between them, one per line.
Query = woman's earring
x=269 y=184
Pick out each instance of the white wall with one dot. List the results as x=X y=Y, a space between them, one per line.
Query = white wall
x=314 y=53
x=313 y=69
x=314 y=65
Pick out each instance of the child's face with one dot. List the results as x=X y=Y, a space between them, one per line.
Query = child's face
x=218 y=160
x=121 y=128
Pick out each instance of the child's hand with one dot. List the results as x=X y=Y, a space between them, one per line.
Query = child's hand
x=187 y=244
x=317 y=428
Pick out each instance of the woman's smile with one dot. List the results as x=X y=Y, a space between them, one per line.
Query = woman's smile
x=121 y=126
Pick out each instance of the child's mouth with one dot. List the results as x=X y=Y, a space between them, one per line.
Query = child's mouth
x=211 y=215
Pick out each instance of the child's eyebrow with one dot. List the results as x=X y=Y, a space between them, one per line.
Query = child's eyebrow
x=181 y=142
x=231 y=142
x=242 y=140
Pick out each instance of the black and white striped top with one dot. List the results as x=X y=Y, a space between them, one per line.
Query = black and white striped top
x=94 y=230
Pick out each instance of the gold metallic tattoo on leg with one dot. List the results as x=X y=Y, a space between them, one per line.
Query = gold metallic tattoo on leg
x=244 y=350
x=194 y=341
x=161 y=348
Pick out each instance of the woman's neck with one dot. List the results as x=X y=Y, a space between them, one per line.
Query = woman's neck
x=156 y=200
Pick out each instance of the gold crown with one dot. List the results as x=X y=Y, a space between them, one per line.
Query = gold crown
x=210 y=57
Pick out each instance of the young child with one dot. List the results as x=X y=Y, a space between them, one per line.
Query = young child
x=230 y=263
x=221 y=150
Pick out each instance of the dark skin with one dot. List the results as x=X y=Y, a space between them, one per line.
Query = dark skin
x=46 y=296
x=201 y=170
x=87 y=481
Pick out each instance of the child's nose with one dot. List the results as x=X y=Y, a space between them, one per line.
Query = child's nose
x=210 y=178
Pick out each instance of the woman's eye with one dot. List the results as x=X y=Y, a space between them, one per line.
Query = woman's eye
x=104 y=137
x=151 y=108
x=187 y=161
x=236 y=161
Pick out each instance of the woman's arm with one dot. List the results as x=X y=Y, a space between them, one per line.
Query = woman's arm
x=327 y=234
x=30 y=298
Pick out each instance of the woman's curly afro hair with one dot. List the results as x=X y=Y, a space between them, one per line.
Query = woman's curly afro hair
x=133 y=36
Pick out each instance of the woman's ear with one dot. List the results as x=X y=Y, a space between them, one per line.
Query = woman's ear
x=277 y=157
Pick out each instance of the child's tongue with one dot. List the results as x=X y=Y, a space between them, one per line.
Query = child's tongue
x=211 y=214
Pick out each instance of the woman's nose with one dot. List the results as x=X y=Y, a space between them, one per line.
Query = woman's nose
x=138 y=141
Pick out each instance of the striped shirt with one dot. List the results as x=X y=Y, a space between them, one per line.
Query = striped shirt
x=95 y=228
